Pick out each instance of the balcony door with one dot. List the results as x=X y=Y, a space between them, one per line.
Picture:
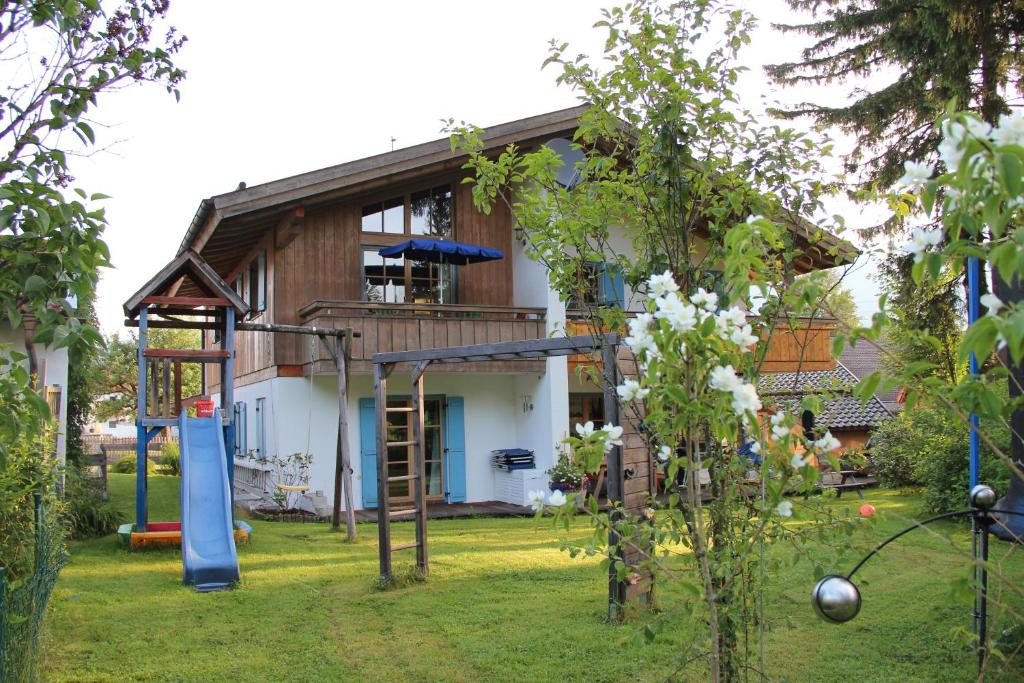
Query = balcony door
x=400 y=458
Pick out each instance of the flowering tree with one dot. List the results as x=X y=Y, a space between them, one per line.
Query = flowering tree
x=709 y=199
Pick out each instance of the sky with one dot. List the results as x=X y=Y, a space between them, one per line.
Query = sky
x=278 y=89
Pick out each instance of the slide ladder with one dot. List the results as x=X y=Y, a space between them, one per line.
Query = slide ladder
x=209 y=558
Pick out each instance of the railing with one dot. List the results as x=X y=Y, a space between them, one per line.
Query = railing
x=253 y=475
x=413 y=326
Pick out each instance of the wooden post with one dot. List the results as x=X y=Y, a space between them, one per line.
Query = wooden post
x=343 y=461
x=615 y=474
x=166 y=387
x=419 y=469
x=380 y=393
x=177 y=387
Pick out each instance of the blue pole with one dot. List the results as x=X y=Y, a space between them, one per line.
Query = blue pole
x=973 y=306
x=141 y=440
x=227 y=398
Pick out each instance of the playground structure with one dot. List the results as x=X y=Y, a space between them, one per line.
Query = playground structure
x=207 y=532
x=630 y=477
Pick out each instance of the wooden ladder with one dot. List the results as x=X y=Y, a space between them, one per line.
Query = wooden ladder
x=417 y=479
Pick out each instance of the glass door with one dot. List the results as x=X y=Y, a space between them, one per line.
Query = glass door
x=400 y=458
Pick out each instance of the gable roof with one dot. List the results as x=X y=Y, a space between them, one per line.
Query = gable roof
x=185 y=267
x=841 y=412
x=862 y=360
x=228 y=224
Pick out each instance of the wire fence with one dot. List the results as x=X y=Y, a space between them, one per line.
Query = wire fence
x=23 y=601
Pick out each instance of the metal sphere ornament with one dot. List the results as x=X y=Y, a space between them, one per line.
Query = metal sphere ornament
x=836 y=599
x=983 y=497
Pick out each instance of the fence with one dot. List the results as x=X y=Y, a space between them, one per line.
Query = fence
x=23 y=603
x=122 y=445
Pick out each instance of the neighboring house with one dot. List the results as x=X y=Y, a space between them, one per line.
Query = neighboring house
x=53 y=378
x=843 y=414
x=304 y=250
x=862 y=360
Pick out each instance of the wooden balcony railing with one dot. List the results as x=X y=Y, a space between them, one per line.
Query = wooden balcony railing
x=405 y=327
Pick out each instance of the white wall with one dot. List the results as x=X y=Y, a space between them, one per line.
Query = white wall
x=53 y=371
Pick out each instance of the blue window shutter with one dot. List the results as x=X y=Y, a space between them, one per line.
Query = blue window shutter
x=613 y=291
x=455 y=453
x=368 y=450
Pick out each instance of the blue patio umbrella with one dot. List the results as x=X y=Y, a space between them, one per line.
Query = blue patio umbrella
x=442 y=251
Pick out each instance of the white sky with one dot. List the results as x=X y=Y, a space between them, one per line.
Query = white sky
x=277 y=89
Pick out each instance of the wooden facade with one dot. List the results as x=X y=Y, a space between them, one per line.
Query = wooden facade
x=314 y=277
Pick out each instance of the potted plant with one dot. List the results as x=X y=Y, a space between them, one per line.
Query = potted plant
x=566 y=476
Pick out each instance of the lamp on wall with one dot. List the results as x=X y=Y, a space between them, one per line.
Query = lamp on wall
x=527 y=403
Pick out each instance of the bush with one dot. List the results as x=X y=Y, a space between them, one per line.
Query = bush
x=86 y=514
x=26 y=468
x=126 y=465
x=928 y=447
x=170 y=458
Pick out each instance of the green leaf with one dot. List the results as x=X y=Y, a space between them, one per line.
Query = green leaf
x=866 y=387
x=1010 y=171
x=34 y=284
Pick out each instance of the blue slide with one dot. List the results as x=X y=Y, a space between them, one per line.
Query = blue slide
x=207 y=532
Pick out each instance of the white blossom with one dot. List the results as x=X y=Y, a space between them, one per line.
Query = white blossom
x=613 y=436
x=751 y=219
x=921 y=240
x=557 y=499
x=640 y=339
x=707 y=300
x=1010 y=130
x=745 y=400
x=680 y=315
x=536 y=499
x=664 y=452
x=660 y=285
x=992 y=303
x=632 y=391
x=724 y=379
x=778 y=418
x=915 y=175
x=828 y=443
x=735 y=315
x=743 y=336
x=784 y=508
x=585 y=430
x=951 y=152
x=755 y=447
x=797 y=462
x=780 y=431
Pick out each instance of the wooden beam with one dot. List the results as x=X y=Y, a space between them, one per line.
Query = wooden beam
x=193 y=355
x=340 y=350
x=420 y=470
x=247 y=327
x=289 y=226
x=380 y=393
x=476 y=352
x=184 y=301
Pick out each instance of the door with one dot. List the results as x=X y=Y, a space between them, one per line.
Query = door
x=401 y=458
x=584 y=408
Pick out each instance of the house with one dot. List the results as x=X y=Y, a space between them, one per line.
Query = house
x=304 y=251
x=862 y=360
x=52 y=367
x=843 y=414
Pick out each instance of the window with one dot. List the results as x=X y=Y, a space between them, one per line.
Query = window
x=386 y=216
x=584 y=408
x=600 y=284
x=258 y=284
x=431 y=212
x=426 y=212
x=396 y=280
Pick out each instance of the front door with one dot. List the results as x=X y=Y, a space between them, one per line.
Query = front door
x=400 y=458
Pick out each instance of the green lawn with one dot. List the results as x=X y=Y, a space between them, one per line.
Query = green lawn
x=502 y=604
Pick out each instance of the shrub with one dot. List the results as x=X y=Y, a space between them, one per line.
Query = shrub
x=928 y=447
x=26 y=468
x=86 y=514
x=170 y=458
x=126 y=465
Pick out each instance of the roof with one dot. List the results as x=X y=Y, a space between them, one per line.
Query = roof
x=862 y=360
x=842 y=410
x=228 y=224
x=187 y=266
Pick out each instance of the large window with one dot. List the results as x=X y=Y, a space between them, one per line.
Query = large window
x=426 y=212
x=258 y=284
x=397 y=280
x=599 y=284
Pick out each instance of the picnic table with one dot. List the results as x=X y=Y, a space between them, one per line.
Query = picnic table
x=847 y=482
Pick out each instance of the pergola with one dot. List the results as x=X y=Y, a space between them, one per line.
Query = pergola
x=385 y=363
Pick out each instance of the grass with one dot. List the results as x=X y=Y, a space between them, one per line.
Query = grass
x=502 y=603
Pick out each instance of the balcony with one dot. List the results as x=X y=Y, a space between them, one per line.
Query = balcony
x=405 y=327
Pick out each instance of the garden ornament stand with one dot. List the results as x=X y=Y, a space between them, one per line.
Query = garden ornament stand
x=837 y=599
